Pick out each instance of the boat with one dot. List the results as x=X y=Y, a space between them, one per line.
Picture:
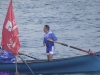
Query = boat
x=79 y=64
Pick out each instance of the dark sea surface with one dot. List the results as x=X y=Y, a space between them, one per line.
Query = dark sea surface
x=74 y=22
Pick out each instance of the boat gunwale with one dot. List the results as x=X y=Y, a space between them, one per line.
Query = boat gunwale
x=45 y=60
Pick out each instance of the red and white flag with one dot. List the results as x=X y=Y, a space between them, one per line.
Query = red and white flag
x=10 y=40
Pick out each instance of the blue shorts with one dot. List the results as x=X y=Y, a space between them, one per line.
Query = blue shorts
x=50 y=50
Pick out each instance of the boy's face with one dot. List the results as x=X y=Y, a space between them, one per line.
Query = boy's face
x=45 y=29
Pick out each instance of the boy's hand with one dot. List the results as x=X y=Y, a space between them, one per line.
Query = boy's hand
x=44 y=44
x=50 y=40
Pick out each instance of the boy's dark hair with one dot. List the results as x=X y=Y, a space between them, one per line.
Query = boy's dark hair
x=0 y=47
x=47 y=27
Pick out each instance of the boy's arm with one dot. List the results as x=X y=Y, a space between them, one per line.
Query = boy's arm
x=44 y=42
x=54 y=38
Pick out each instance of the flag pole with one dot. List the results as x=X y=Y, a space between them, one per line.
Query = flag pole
x=16 y=73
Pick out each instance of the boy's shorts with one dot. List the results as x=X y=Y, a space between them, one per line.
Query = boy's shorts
x=50 y=50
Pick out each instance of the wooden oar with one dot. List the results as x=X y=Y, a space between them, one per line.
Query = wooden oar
x=28 y=56
x=27 y=65
x=89 y=52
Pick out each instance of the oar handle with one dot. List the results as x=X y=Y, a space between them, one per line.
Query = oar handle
x=92 y=53
x=28 y=56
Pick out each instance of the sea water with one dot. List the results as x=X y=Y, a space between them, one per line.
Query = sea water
x=74 y=22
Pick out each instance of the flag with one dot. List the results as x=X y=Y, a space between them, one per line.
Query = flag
x=10 y=40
